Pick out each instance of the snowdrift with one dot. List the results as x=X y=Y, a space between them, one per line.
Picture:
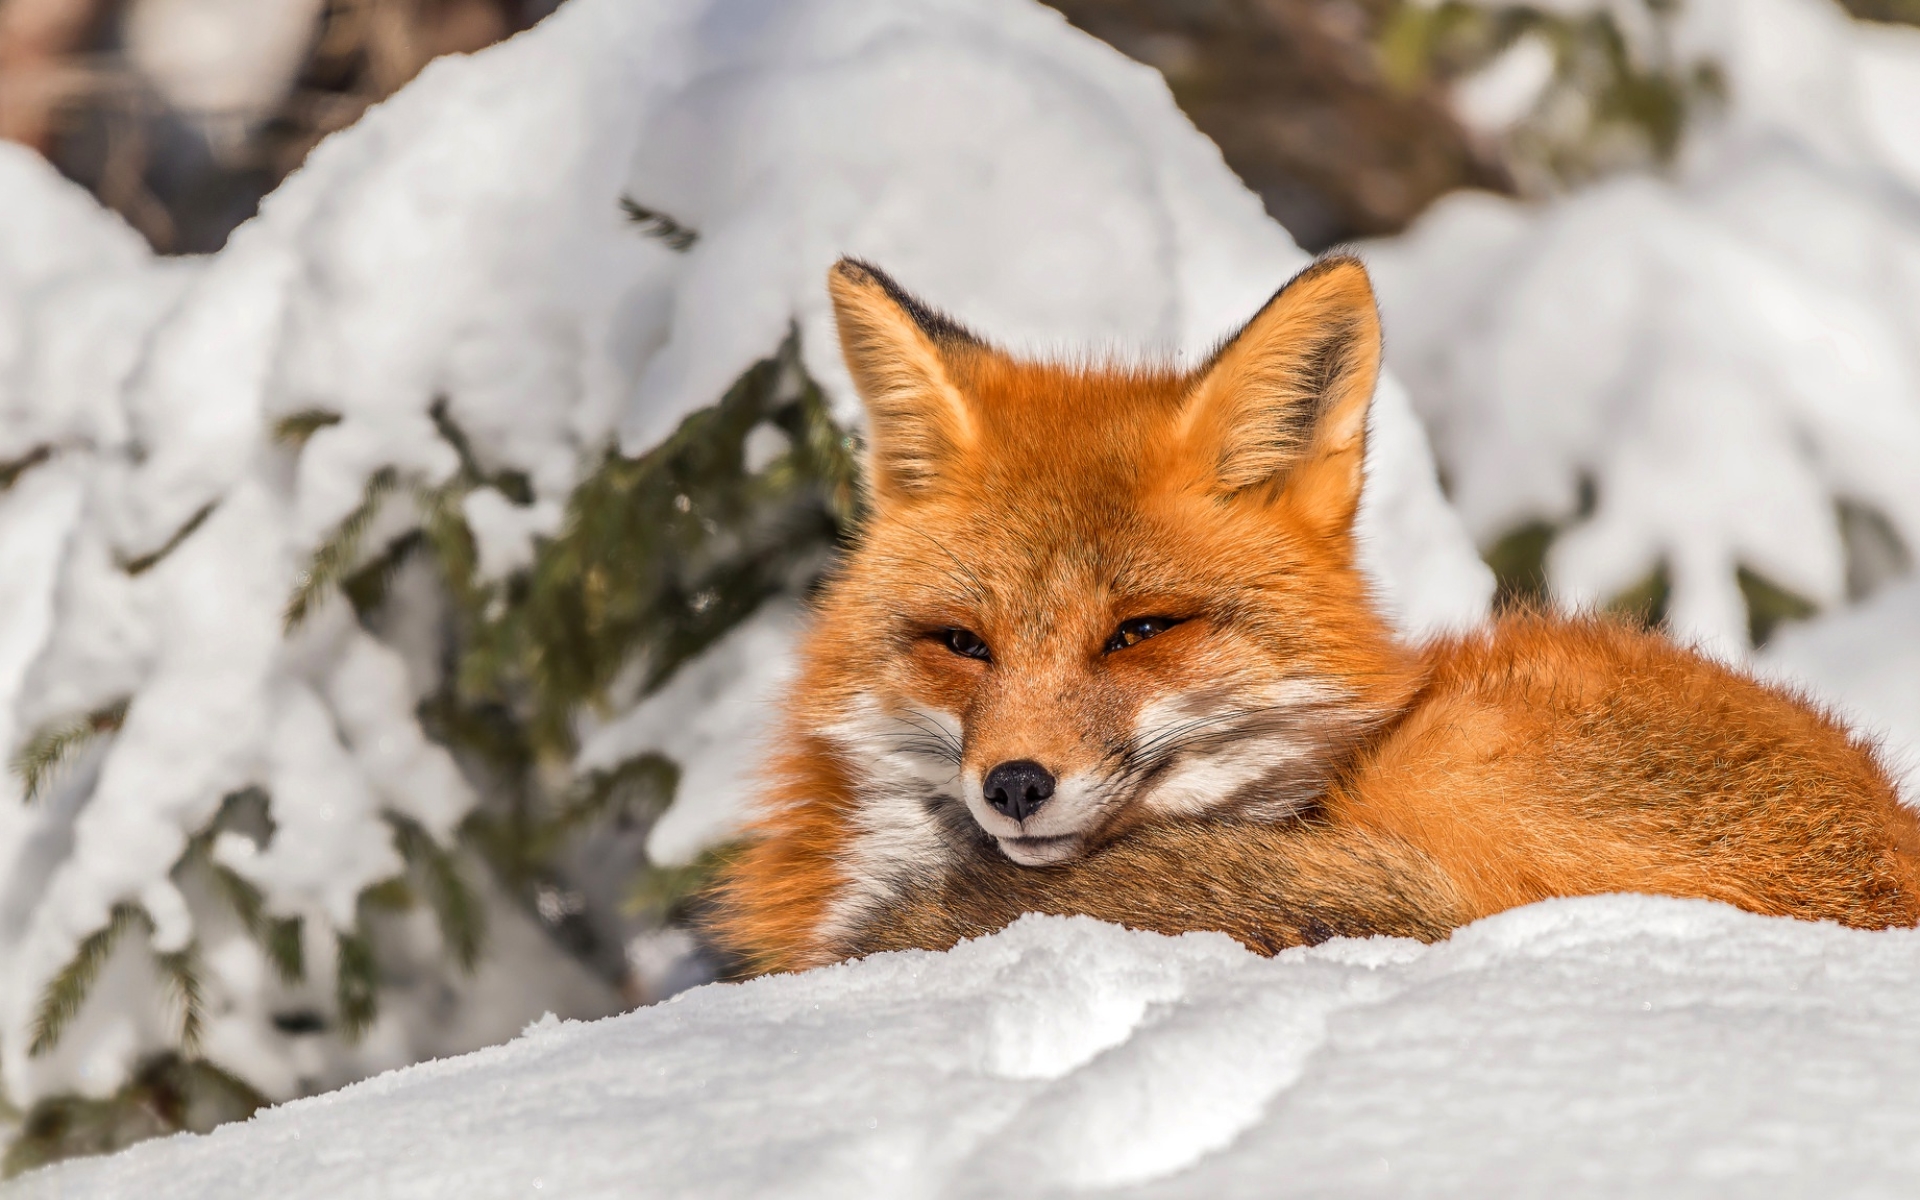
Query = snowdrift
x=1601 y=1047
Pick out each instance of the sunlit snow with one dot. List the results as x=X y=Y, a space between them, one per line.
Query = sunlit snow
x=1601 y=1047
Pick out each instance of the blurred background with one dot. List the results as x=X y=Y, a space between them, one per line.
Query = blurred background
x=1347 y=117
x=1651 y=275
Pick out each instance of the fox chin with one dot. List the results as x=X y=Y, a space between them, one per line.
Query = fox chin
x=1102 y=646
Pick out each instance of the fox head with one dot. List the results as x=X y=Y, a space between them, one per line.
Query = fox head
x=1090 y=598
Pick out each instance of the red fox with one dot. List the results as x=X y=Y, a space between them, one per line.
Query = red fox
x=1103 y=647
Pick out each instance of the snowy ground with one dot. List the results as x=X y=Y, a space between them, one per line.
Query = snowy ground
x=1612 y=1046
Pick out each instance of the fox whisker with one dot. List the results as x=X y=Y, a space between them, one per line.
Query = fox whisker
x=933 y=740
x=1318 y=725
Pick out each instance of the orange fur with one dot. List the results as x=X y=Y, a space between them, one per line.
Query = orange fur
x=1273 y=763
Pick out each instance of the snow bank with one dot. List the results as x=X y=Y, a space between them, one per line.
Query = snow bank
x=1724 y=356
x=464 y=244
x=1599 y=1047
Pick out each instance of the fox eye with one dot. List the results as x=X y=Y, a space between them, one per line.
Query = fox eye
x=966 y=643
x=1139 y=629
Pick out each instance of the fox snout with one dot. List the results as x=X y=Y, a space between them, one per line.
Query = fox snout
x=1018 y=789
x=1032 y=781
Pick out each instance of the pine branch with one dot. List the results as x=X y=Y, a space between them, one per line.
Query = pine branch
x=278 y=937
x=180 y=970
x=248 y=811
x=294 y=429
x=12 y=470
x=446 y=529
x=463 y=920
x=68 y=991
x=367 y=588
x=46 y=752
x=637 y=790
x=167 y=1094
x=356 y=984
x=655 y=224
x=146 y=562
x=286 y=949
x=336 y=557
x=388 y=896
x=658 y=558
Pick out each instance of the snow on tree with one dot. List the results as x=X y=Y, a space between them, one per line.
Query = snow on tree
x=387 y=542
x=1697 y=391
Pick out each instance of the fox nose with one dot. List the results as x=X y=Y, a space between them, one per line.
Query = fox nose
x=1018 y=788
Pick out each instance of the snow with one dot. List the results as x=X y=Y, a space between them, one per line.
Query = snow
x=504 y=532
x=1723 y=355
x=464 y=244
x=710 y=717
x=1596 y=1047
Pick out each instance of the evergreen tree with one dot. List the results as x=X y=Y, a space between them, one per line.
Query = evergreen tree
x=659 y=557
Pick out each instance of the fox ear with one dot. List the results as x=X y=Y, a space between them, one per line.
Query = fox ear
x=896 y=349
x=1284 y=402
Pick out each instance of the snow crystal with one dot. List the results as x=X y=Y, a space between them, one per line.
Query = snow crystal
x=1597 y=1047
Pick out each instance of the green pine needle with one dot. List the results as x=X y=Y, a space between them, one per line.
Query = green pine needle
x=37 y=762
x=241 y=895
x=278 y=937
x=146 y=562
x=286 y=949
x=13 y=469
x=167 y=1094
x=463 y=920
x=339 y=554
x=658 y=225
x=294 y=429
x=180 y=971
x=356 y=986
x=68 y=991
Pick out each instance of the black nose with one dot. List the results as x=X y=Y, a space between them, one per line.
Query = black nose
x=1018 y=788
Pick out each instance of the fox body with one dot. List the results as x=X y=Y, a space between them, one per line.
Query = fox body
x=1103 y=647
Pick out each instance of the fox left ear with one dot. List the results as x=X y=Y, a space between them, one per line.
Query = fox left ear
x=897 y=349
x=1283 y=404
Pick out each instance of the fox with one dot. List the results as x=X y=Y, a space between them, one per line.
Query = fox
x=1102 y=645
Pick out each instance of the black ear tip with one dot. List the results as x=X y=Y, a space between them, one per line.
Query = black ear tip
x=1336 y=261
x=855 y=270
x=931 y=321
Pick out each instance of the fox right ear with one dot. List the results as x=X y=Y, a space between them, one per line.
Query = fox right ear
x=1283 y=405
x=918 y=423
